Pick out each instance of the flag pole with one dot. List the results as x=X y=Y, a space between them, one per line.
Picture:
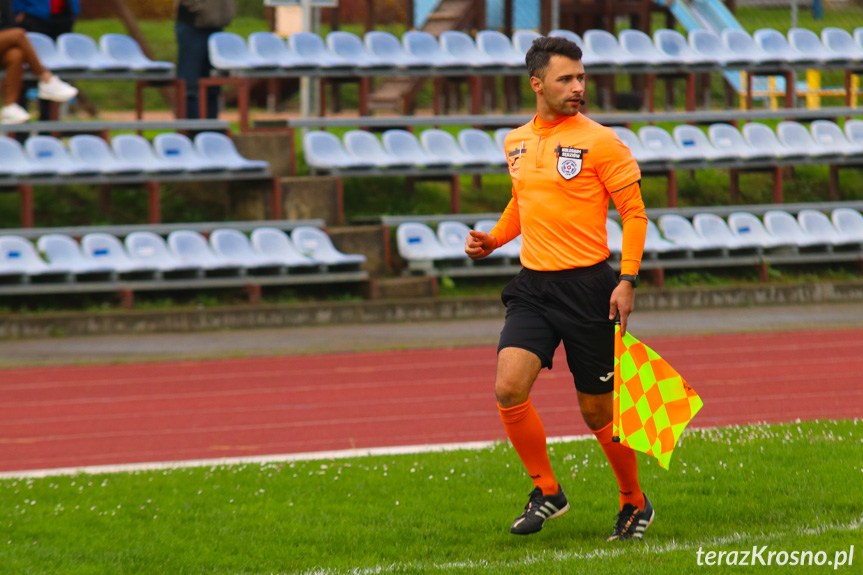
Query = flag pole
x=615 y=411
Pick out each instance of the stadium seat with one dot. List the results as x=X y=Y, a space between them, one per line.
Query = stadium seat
x=453 y=235
x=741 y=45
x=858 y=36
x=854 y=133
x=386 y=46
x=219 y=148
x=15 y=162
x=840 y=41
x=761 y=137
x=640 y=152
x=728 y=139
x=679 y=230
x=61 y=250
x=694 y=142
x=178 y=149
x=234 y=246
x=848 y=222
x=366 y=147
x=774 y=43
x=657 y=246
x=311 y=47
x=713 y=229
x=316 y=244
x=708 y=44
x=50 y=57
x=662 y=145
x=462 y=47
x=276 y=245
x=405 y=146
x=481 y=146
x=829 y=136
x=324 y=151
x=523 y=39
x=135 y=150
x=50 y=153
x=807 y=42
x=443 y=146
x=351 y=48
x=269 y=46
x=675 y=46
x=604 y=50
x=569 y=35
x=748 y=228
x=797 y=139
x=639 y=45
x=93 y=151
x=785 y=227
x=511 y=249
x=18 y=255
x=107 y=250
x=499 y=49
x=425 y=48
x=191 y=247
x=125 y=49
x=228 y=51
x=419 y=246
x=817 y=225
x=82 y=49
x=615 y=237
x=150 y=249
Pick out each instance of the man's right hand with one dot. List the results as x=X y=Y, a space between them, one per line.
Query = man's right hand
x=479 y=244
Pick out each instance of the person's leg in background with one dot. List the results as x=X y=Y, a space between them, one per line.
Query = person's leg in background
x=193 y=63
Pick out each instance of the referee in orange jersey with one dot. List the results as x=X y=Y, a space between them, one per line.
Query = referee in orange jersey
x=564 y=168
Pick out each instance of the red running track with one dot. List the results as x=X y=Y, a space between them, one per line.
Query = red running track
x=97 y=415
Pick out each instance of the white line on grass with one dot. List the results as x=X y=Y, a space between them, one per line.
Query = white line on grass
x=266 y=459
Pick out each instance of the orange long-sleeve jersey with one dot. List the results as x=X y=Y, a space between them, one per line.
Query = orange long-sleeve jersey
x=563 y=174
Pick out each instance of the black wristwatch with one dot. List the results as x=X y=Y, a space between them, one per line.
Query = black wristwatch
x=633 y=279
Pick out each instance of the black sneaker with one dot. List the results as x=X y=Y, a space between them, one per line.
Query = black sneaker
x=632 y=523
x=538 y=510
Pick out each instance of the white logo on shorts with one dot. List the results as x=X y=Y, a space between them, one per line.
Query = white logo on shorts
x=607 y=377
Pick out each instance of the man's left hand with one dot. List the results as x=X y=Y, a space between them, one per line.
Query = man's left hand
x=622 y=302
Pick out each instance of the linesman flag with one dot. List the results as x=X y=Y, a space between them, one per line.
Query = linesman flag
x=652 y=403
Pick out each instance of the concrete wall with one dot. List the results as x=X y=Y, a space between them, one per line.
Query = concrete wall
x=312 y=197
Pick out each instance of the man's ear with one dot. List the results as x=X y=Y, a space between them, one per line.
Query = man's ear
x=536 y=84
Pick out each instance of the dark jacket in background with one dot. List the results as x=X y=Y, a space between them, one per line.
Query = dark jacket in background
x=206 y=14
x=7 y=18
x=42 y=8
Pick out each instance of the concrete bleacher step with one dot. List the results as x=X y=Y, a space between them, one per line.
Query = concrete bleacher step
x=403 y=288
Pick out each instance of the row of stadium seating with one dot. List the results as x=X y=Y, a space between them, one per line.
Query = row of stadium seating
x=707 y=235
x=77 y=52
x=185 y=254
x=127 y=154
x=380 y=51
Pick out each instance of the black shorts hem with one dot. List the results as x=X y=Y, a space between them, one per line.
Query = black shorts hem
x=594 y=389
x=544 y=360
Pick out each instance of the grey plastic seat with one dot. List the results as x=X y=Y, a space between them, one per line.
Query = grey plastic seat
x=498 y=48
x=785 y=227
x=420 y=247
x=178 y=149
x=316 y=244
x=405 y=146
x=817 y=225
x=523 y=39
x=663 y=145
x=19 y=255
x=511 y=249
x=695 y=144
x=50 y=153
x=443 y=146
x=615 y=237
x=50 y=57
x=324 y=151
x=569 y=35
x=640 y=152
x=384 y=45
x=462 y=47
x=774 y=42
x=748 y=228
x=107 y=250
x=604 y=48
x=679 y=230
x=150 y=249
x=228 y=51
x=708 y=44
x=63 y=251
x=854 y=133
x=807 y=42
x=728 y=139
x=135 y=150
x=82 y=49
x=741 y=45
x=829 y=136
x=94 y=152
x=219 y=148
x=639 y=45
x=311 y=47
x=500 y=138
x=798 y=140
x=366 y=147
x=761 y=137
x=675 y=46
x=848 y=222
x=126 y=49
x=452 y=235
x=271 y=47
x=276 y=245
x=15 y=162
x=425 y=48
x=858 y=36
x=191 y=247
x=480 y=145
x=351 y=48
x=713 y=229
x=841 y=42
x=234 y=246
x=657 y=246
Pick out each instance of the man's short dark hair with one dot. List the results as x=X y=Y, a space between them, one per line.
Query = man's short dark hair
x=542 y=49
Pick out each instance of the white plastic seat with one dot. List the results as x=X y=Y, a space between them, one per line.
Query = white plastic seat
x=741 y=45
x=276 y=245
x=799 y=142
x=498 y=48
x=656 y=245
x=220 y=149
x=785 y=227
x=713 y=229
x=63 y=251
x=848 y=222
x=748 y=228
x=523 y=39
x=271 y=47
x=511 y=249
x=425 y=48
x=125 y=49
x=228 y=51
x=453 y=235
x=366 y=147
x=569 y=35
x=807 y=42
x=386 y=46
x=443 y=146
x=462 y=47
x=818 y=226
x=675 y=46
x=351 y=48
x=615 y=237
x=15 y=162
x=316 y=244
x=639 y=45
x=405 y=146
x=663 y=145
x=234 y=246
x=841 y=42
x=728 y=139
x=311 y=47
x=150 y=249
x=19 y=255
x=179 y=150
x=191 y=247
x=695 y=144
x=604 y=49
x=858 y=36
x=679 y=230
x=94 y=152
x=108 y=250
x=82 y=49
x=135 y=150
x=50 y=154
x=708 y=44
x=480 y=145
x=46 y=49
x=640 y=152
x=500 y=138
x=420 y=247
x=829 y=136
x=774 y=43
x=761 y=137
x=324 y=151
x=854 y=133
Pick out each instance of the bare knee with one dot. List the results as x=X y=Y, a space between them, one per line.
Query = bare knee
x=13 y=57
x=510 y=392
x=516 y=371
x=596 y=410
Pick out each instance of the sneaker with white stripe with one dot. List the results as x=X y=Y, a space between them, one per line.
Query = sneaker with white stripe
x=539 y=509
x=632 y=522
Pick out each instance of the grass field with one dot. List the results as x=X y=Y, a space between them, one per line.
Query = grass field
x=790 y=487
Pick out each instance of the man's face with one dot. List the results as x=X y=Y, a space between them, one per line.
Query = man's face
x=562 y=87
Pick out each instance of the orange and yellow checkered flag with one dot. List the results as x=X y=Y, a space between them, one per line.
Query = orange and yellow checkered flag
x=652 y=403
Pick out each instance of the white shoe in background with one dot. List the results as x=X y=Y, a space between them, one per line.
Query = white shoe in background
x=56 y=90
x=13 y=114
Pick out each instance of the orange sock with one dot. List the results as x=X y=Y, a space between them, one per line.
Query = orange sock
x=527 y=435
x=625 y=467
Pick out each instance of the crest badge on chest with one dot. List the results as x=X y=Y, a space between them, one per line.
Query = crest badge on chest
x=569 y=161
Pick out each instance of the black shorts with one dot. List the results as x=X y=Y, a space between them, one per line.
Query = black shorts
x=543 y=308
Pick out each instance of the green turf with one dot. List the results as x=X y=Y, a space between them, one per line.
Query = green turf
x=790 y=487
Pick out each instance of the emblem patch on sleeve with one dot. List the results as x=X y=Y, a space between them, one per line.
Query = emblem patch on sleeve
x=569 y=161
